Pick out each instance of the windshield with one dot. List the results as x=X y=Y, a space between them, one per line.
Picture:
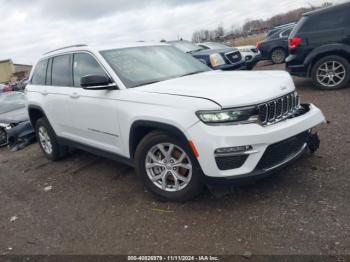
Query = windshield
x=213 y=45
x=144 y=65
x=11 y=101
x=186 y=46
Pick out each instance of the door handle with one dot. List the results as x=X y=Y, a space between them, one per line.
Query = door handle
x=44 y=93
x=74 y=95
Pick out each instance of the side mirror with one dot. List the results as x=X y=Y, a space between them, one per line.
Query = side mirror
x=96 y=82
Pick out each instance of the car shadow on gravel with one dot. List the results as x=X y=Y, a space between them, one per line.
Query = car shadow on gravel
x=125 y=185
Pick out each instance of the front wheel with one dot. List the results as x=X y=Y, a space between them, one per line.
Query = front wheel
x=330 y=73
x=168 y=168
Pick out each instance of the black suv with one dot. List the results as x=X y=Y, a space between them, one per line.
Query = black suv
x=275 y=46
x=319 y=47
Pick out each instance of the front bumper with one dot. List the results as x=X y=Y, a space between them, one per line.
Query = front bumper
x=251 y=63
x=208 y=138
x=257 y=173
x=229 y=67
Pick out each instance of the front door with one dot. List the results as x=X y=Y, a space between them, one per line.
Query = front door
x=93 y=112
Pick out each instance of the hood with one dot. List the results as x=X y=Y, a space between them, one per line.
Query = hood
x=214 y=51
x=228 y=89
x=14 y=117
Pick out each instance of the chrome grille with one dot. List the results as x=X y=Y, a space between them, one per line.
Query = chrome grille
x=278 y=109
x=234 y=57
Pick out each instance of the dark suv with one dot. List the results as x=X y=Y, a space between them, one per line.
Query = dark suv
x=275 y=46
x=227 y=58
x=319 y=47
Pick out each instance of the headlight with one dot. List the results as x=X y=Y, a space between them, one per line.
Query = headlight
x=216 y=60
x=236 y=115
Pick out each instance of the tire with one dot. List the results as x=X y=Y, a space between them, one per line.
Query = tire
x=278 y=56
x=164 y=188
x=326 y=74
x=48 y=141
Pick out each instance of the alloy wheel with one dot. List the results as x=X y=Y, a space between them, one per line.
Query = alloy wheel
x=168 y=167
x=331 y=73
x=45 y=140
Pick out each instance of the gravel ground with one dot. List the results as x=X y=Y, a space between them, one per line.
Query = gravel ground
x=89 y=205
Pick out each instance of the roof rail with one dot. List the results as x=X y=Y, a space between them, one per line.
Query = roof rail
x=80 y=45
x=285 y=25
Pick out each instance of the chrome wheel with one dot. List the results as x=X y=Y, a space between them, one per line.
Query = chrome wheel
x=331 y=73
x=45 y=140
x=278 y=56
x=168 y=167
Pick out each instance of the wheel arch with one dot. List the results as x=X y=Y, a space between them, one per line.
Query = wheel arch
x=327 y=50
x=35 y=113
x=140 y=128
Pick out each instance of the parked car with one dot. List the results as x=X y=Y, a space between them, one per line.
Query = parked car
x=5 y=88
x=15 y=128
x=320 y=47
x=226 y=58
x=275 y=46
x=273 y=30
x=19 y=85
x=251 y=54
x=179 y=123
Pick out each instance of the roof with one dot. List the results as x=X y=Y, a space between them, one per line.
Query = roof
x=6 y=60
x=327 y=9
x=103 y=47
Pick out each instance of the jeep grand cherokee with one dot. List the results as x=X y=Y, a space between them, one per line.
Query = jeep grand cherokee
x=179 y=123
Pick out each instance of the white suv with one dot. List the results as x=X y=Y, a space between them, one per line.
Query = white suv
x=180 y=124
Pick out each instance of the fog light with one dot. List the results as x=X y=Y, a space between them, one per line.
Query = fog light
x=230 y=150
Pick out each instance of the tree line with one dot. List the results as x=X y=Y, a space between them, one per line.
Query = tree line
x=253 y=26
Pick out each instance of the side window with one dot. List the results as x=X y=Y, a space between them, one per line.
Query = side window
x=62 y=71
x=286 y=33
x=84 y=64
x=39 y=74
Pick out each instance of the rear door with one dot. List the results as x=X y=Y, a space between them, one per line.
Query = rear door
x=93 y=112
x=284 y=35
x=59 y=83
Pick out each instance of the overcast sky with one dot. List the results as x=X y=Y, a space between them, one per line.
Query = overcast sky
x=31 y=27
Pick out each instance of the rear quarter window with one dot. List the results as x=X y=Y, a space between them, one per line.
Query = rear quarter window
x=39 y=74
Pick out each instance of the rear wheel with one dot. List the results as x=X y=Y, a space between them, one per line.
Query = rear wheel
x=330 y=73
x=278 y=56
x=167 y=167
x=48 y=141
